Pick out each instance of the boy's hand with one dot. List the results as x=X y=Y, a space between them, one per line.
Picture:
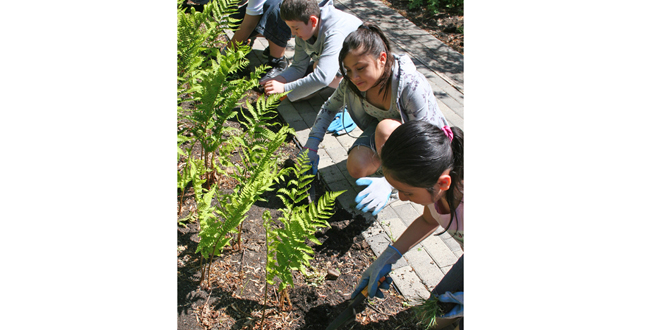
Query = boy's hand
x=273 y=87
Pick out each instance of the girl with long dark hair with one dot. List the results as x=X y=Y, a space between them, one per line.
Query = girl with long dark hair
x=379 y=90
x=425 y=164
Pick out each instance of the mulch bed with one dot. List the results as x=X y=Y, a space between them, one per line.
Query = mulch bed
x=235 y=297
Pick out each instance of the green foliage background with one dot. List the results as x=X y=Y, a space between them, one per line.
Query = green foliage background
x=436 y=6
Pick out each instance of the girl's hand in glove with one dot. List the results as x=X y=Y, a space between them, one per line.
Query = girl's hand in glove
x=311 y=148
x=375 y=196
x=381 y=267
x=454 y=298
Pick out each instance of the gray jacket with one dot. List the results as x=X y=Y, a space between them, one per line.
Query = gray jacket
x=335 y=25
x=413 y=98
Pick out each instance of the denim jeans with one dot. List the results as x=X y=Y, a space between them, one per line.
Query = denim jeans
x=453 y=281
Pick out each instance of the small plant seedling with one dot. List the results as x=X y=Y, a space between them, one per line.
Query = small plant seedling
x=389 y=231
x=315 y=278
x=427 y=312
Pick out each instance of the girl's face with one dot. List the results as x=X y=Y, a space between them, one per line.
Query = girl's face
x=421 y=195
x=364 y=70
x=408 y=193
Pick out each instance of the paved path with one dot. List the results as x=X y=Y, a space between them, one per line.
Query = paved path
x=425 y=264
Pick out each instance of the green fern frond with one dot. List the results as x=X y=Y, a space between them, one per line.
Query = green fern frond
x=233 y=208
x=300 y=223
x=196 y=170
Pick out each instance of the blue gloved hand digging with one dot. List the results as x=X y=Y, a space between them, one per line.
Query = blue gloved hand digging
x=381 y=267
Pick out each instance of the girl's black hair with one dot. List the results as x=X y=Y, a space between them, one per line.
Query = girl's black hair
x=371 y=40
x=417 y=153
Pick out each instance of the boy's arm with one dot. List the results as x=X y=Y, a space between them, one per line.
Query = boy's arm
x=418 y=230
x=246 y=28
x=325 y=70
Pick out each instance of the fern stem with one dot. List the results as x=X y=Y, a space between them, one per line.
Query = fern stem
x=266 y=274
x=209 y=268
x=181 y=201
x=201 y=261
x=264 y=307
x=286 y=293
x=212 y=167
x=266 y=268
x=208 y=176
x=239 y=236
x=281 y=300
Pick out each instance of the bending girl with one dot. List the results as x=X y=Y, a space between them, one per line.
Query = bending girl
x=425 y=164
x=379 y=90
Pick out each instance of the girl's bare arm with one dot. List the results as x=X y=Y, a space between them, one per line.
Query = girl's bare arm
x=421 y=228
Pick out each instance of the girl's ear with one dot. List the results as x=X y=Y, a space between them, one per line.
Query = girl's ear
x=444 y=180
x=382 y=58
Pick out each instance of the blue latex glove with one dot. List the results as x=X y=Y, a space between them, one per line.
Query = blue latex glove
x=311 y=148
x=455 y=298
x=375 y=196
x=342 y=123
x=381 y=267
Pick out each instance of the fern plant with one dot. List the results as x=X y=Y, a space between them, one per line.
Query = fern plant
x=287 y=247
x=206 y=74
x=219 y=101
x=192 y=172
x=197 y=35
x=256 y=121
x=232 y=208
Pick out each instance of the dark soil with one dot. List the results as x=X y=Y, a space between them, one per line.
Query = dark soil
x=447 y=26
x=235 y=297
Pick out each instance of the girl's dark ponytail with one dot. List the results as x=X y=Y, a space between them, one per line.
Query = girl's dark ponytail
x=457 y=146
x=456 y=173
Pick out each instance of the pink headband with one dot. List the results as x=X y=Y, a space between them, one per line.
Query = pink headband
x=448 y=132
